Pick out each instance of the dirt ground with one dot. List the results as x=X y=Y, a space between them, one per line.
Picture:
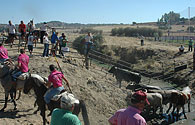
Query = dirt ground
x=95 y=86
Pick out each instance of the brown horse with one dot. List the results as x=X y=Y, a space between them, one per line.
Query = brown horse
x=37 y=83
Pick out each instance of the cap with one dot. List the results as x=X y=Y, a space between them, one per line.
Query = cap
x=141 y=96
x=69 y=98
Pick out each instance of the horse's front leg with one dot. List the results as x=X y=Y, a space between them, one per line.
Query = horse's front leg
x=43 y=109
x=189 y=105
x=6 y=99
x=13 y=98
x=170 y=105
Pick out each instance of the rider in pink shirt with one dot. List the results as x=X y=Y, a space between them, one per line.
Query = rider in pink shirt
x=3 y=53
x=23 y=61
x=54 y=78
x=131 y=115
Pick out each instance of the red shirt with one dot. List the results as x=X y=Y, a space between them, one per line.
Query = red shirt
x=22 y=27
x=24 y=60
x=56 y=78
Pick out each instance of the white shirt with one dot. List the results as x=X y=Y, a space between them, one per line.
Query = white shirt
x=30 y=40
x=45 y=40
x=88 y=38
x=11 y=29
x=43 y=27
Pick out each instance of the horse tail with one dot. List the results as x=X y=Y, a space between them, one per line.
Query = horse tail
x=84 y=112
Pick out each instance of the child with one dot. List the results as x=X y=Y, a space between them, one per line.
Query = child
x=30 y=43
x=46 y=45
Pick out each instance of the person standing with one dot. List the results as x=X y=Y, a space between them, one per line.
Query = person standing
x=54 y=41
x=63 y=115
x=3 y=53
x=63 y=40
x=88 y=43
x=31 y=39
x=131 y=115
x=22 y=30
x=11 y=31
x=190 y=44
x=55 y=79
x=46 y=45
x=43 y=30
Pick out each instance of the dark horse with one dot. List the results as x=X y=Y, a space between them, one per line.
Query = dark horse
x=37 y=83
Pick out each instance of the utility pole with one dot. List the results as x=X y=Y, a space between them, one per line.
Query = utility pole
x=189 y=18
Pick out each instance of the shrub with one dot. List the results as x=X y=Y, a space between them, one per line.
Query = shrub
x=79 y=43
x=132 y=32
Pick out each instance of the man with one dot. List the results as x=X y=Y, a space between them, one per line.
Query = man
x=3 y=53
x=190 y=44
x=43 y=30
x=22 y=29
x=23 y=61
x=131 y=115
x=181 y=49
x=11 y=31
x=64 y=115
x=31 y=39
x=62 y=43
x=54 y=41
x=88 y=43
x=54 y=78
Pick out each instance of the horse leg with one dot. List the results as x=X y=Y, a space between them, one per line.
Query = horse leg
x=43 y=109
x=19 y=95
x=170 y=105
x=189 y=105
x=173 y=109
x=177 y=114
x=6 y=99
x=84 y=112
x=13 y=97
x=184 y=112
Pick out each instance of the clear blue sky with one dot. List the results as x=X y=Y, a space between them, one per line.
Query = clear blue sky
x=91 y=11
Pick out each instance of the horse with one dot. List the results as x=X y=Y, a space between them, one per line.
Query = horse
x=37 y=83
x=179 y=99
x=6 y=70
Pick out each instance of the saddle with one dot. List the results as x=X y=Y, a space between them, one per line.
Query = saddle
x=24 y=76
x=58 y=96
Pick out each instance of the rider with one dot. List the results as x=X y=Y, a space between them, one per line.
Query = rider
x=23 y=61
x=55 y=78
x=3 y=53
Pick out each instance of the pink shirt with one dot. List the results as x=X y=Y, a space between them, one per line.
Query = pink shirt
x=56 y=78
x=113 y=119
x=3 y=53
x=24 y=60
x=129 y=116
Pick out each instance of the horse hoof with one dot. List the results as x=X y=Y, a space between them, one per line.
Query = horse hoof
x=15 y=108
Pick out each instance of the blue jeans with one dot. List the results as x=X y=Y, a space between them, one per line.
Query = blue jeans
x=2 y=60
x=51 y=92
x=16 y=75
x=88 y=47
x=46 y=50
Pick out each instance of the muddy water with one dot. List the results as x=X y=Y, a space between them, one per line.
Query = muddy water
x=169 y=118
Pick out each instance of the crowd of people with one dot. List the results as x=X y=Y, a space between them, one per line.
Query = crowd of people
x=28 y=34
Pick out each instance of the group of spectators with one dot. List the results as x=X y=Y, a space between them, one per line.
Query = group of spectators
x=190 y=46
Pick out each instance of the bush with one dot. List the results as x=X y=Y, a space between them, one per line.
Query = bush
x=132 y=32
x=93 y=31
x=191 y=28
x=79 y=43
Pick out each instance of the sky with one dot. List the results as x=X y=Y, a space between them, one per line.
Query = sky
x=92 y=11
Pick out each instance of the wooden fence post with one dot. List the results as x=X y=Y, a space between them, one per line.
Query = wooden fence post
x=193 y=61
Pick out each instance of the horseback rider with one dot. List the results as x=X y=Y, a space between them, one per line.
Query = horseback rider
x=23 y=61
x=55 y=78
x=3 y=53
